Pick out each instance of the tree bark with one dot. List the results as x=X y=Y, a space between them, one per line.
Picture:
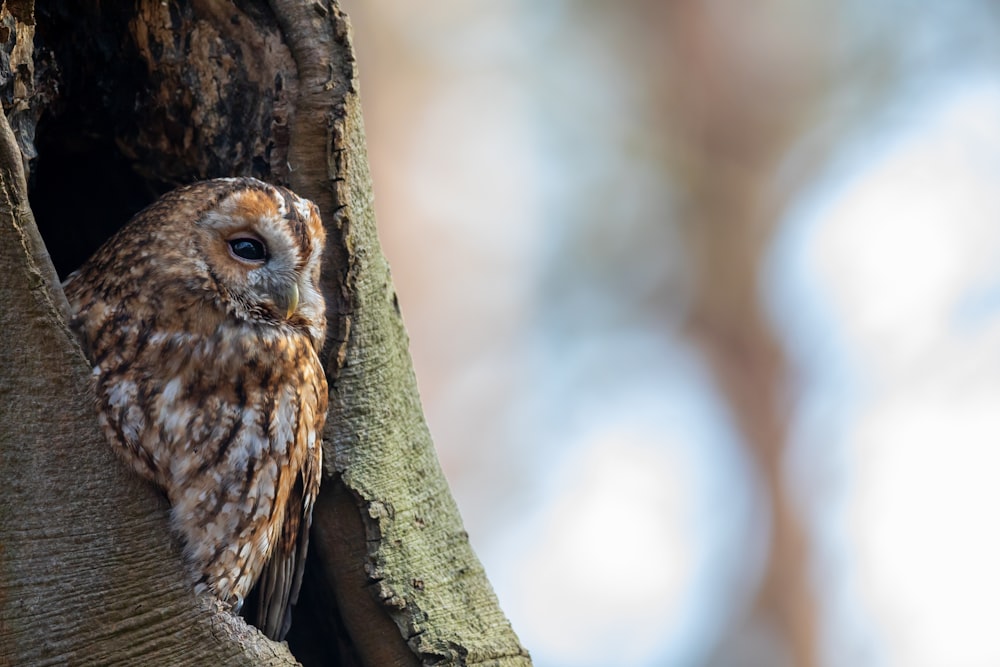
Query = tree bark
x=90 y=572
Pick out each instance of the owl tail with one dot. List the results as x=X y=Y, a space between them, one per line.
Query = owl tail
x=277 y=589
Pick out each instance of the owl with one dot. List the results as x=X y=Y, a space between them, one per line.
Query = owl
x=203 y=320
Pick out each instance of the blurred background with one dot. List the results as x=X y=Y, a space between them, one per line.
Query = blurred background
x=704 y=303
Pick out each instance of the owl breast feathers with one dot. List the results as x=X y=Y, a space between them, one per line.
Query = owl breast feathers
x=203 y=320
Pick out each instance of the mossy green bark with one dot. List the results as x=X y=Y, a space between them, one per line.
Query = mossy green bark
x=427 y=574
x=417 y=559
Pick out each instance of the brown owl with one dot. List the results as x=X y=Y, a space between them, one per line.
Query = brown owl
x=203 y=320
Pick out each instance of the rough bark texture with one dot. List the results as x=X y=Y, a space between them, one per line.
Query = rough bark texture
x=418 y=564
x=89 y=573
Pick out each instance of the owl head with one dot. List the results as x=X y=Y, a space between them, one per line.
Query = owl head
x=224 y=249
x=263 y=245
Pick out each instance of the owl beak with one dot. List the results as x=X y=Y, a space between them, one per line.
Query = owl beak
x=292 y=299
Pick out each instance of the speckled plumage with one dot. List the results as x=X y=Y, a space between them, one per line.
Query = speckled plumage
x=208 y=377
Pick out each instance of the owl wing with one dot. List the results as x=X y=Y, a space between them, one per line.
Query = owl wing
x=281 y=579
x=277 y=589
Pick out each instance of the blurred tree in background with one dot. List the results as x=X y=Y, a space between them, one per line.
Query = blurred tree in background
x=611 y=181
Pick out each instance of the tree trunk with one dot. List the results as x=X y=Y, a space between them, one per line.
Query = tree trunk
x=740 y=88
x=119 y=104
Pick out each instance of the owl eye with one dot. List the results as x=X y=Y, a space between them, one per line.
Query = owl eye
x=248 y=249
